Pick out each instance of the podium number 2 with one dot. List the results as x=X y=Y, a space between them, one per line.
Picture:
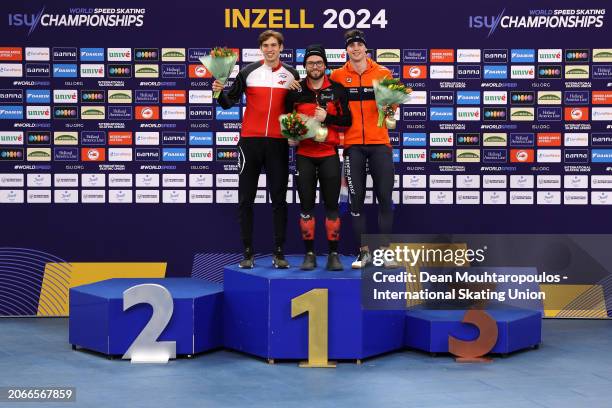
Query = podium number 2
x=314 y=302
x=146 y=348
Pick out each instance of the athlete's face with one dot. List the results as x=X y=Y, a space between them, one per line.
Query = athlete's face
x=356 y=51
x=271 y=50
x=315 y=67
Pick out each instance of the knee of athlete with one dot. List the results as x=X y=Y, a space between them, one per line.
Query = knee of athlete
x=306 y=215
x=331 y=215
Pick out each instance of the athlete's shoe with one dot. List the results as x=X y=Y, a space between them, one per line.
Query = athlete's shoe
x=333 y=262
x=278 y=259
x=247 y=262
x=310 y=262
x=364 y=259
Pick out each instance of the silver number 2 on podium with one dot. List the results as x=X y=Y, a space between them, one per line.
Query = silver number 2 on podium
x=146 y=348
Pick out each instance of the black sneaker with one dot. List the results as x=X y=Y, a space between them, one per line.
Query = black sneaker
x=333 y=262
x=247 y=262
x=310 y=262
x=278 y=260
x=364 y=259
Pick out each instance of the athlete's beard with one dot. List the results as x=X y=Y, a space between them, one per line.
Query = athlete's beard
x=313 y=77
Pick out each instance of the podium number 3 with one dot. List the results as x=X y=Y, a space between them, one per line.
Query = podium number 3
x=146 y=348
x=314 y=303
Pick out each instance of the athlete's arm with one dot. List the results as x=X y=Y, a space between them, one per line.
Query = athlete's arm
x=344 y=117
x=232 y=96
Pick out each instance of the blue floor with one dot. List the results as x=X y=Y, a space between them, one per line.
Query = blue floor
x=573 y=368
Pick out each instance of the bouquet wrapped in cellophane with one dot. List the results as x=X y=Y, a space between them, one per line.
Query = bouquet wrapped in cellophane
x=389 y=92
x=297 y=126
x=220 y=64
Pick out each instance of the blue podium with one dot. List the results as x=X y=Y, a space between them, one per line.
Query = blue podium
x=97 y=320
x=257 y=313
x=428 y=329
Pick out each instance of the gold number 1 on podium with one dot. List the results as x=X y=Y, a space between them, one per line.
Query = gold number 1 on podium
x=315 y=303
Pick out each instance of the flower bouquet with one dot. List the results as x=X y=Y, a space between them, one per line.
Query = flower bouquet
x=389 y=92
x=297 y=126
x=220 y=64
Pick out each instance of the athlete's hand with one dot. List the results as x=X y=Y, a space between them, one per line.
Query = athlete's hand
x=217 y=86
x=320 y=114
x=293 y=142
x=295 y=85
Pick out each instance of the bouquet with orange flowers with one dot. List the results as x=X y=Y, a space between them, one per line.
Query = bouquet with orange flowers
x=220 y=64
x=297 y=126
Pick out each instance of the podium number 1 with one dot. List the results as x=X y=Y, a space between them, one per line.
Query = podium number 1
x=314 y=302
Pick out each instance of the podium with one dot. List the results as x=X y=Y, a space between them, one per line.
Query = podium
x=257 y=312
x=97 y=320
x=428 y=329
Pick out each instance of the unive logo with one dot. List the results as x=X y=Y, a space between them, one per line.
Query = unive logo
x=441 y=114
x=441 y=139
x=468 y=97
x=495 y=97
x=227 y=138
x=522 y=72
x=414 y=139
x=200 y=154
x=550 y=55
x=414 y=155
x=119 y=54
x=65 y=96
x=92 y=70
x=468 y=114
x=11 y=138
x=495 y=72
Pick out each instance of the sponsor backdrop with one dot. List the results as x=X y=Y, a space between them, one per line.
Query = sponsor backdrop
x=115 y=157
